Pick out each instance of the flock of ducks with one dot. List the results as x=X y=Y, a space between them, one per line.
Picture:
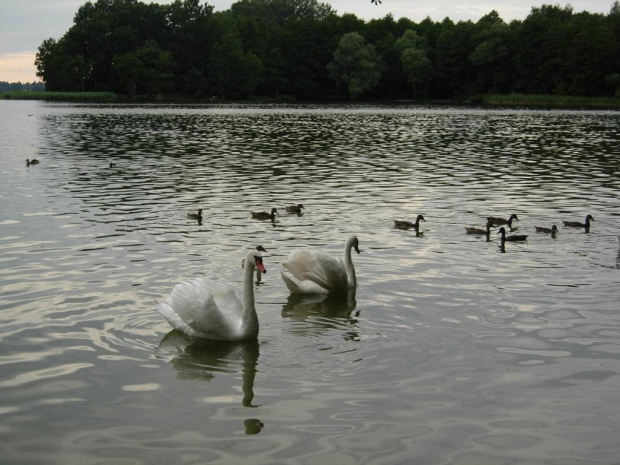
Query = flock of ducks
x=256 y=215
x=553 y=230
x=208 y=309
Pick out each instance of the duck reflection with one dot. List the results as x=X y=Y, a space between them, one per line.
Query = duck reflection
x=323 y=312
x=200 y=360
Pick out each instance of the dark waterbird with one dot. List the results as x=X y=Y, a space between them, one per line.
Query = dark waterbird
x=577 y=224
x=479 y=231
x=195 y=216
x=265 y=215
x=553 y=230
x=496 y=221
x=513 y=238
x=294 y=208
x=34 y=161
x=408 y=225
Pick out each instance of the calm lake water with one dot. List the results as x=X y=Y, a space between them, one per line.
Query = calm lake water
x=452 y=351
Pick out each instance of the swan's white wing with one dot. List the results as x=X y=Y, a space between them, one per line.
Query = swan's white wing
x=203 y=308
x=295 y=286
x=173 y=318
x=319 y=267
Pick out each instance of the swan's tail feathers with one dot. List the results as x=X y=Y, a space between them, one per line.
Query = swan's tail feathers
x=173 y=318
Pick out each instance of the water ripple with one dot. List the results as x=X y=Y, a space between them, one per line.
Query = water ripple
x=445 y=330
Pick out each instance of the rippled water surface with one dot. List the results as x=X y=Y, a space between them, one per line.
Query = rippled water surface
x=453 y=350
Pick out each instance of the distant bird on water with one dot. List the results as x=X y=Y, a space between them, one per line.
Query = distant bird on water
x=553 y=230
x=294 y=208
x=513 y=238
x=34 y=161
x=195 y=216
x=407 y=224
x=577 y=224
x=496 y=221
x=265 y=215
x=479 y=231
x=112 y=165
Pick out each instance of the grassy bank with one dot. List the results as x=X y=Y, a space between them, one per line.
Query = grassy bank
x=61 y=96
x=550 y=101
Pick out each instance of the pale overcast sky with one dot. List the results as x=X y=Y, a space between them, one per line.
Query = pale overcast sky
x=24 y=24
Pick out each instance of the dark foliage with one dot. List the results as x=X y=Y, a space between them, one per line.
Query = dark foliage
x=283 y=49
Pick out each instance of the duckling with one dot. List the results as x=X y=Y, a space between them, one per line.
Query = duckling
x=294 y=208
x=265 y=215
x=577 y=224
x=553 y=230
x=514 y=238
x=496 y=221
x=34 y=161
x=195 y=216
x=112 y=165
x=408 y=225
x=478 y=231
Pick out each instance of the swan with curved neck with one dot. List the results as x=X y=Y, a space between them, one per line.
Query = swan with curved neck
x=207 y=309
x=318 y=272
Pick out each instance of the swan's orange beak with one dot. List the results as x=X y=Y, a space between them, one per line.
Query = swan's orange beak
x=259 y=265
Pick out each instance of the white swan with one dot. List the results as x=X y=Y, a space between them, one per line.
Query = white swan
x=317 y=272
x=211 y=310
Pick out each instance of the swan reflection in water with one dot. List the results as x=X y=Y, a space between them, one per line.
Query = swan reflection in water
x=200 y=360
x=321 y=312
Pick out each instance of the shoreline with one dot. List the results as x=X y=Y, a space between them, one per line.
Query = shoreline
x=492 y=101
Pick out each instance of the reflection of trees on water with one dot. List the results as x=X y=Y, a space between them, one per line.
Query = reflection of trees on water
x=323 y=312
x=200 y=360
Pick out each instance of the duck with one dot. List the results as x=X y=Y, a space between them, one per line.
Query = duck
x=407 y=224
x=265 y=215
x=208 y=309
x=577 y=224
x=513 y=238
x=553 y=230
x=496 y=221
x=112 y=165
x=319 y=272
x=479 y=231
x=34 y=161
x=294 y=208
x=195 y=216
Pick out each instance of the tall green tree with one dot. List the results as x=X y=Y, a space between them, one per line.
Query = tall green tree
x=415 y=64
x=453 y=66
x=491 y=56
x=235 y=74
x=356 y=65
x=541 y=50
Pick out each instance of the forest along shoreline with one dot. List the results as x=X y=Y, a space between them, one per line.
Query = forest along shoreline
x=303 y=51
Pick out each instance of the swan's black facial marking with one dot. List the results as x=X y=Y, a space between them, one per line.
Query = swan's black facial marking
x=259 y=264
x=260 y=248
x=356 y=246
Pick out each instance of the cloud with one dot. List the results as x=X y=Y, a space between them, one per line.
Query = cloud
x=16 y=67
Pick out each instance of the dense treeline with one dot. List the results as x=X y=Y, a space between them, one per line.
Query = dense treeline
x=302 y=49
x=21 y=86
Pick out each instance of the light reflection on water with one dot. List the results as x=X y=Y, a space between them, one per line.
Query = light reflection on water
x=450 y=351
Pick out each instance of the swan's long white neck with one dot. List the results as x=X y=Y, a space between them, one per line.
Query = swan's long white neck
x=348 y=264
x=250 y=319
